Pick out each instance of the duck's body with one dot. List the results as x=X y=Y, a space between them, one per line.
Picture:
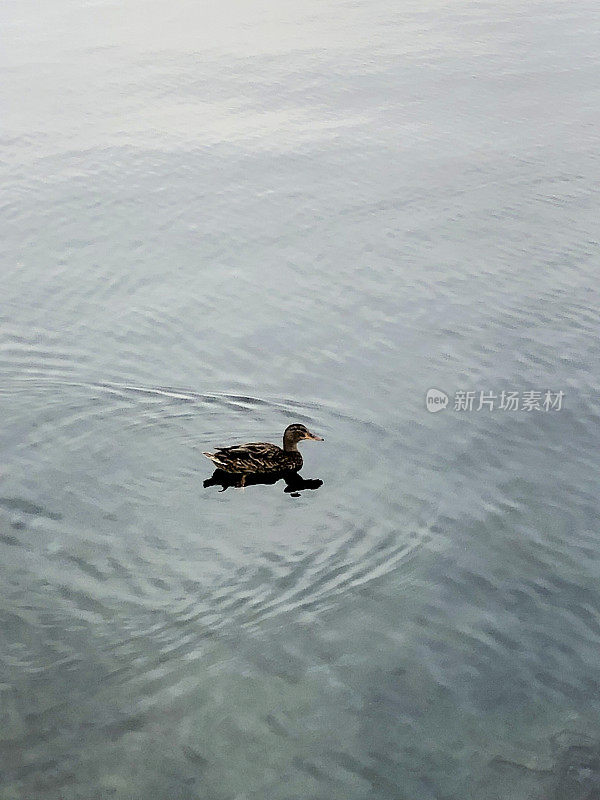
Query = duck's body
x=255 y=457
x=261 y=457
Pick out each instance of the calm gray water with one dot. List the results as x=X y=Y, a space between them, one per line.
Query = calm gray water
x=218 y=219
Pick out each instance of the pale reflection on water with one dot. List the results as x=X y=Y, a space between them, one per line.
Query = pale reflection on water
x=217 y=220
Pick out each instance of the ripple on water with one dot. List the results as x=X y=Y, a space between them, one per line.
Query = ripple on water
x=176 y=568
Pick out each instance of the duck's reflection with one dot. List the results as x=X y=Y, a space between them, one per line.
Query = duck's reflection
x=294 y=482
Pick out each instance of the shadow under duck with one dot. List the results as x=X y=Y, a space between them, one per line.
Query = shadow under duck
x=294 y=482
x=262 y=457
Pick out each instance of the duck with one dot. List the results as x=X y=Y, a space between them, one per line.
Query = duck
x=264 y=457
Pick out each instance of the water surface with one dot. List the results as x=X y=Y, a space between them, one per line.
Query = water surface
x=220 y=219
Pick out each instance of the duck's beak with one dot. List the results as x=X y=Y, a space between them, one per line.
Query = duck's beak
x=314 y=437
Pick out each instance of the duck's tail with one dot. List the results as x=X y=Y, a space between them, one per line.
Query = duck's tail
x=216 y=459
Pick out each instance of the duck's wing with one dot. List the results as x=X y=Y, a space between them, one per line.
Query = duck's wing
x=249 y=457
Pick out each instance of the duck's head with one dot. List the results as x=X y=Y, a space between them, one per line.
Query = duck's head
x=296 y=433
